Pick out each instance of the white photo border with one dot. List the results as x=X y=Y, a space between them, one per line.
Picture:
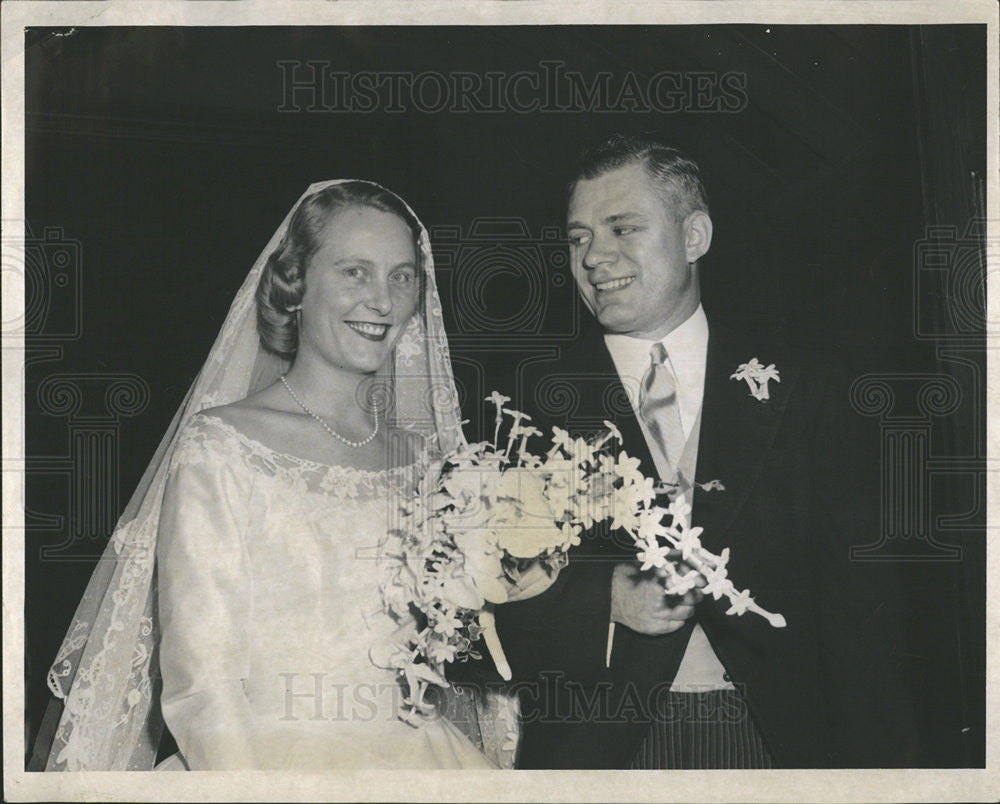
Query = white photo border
x=777 y=785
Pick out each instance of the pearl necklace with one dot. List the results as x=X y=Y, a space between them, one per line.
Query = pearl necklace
x=327 y=427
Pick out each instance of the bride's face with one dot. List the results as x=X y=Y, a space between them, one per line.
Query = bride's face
x=361 y=289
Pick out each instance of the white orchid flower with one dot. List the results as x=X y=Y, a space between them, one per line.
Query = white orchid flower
x=757 y=377
x=477 y=519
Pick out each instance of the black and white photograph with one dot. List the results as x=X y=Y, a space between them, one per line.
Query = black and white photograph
x=600 y=391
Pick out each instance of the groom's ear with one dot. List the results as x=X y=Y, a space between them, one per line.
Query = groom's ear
x=697 y=234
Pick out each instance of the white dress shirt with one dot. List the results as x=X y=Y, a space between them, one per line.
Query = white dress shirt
x=687 y=349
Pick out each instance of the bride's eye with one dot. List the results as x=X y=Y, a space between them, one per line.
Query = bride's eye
x=402 y=277
x=354 y=272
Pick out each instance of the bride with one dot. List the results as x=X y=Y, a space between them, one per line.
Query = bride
x=239 y=597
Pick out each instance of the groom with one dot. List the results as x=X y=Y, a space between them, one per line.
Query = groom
x=610 y=672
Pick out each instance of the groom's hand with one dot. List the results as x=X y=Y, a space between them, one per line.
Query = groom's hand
x=533 y=581
x=637 y=601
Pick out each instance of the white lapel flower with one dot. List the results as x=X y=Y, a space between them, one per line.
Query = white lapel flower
x=757 y=377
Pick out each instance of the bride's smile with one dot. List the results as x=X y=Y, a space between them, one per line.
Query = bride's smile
x=374 y=332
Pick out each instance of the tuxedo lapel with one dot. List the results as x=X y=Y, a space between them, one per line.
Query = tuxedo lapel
x=737 y=431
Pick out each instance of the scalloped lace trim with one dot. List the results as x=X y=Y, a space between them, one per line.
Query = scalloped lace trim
x=209 y=437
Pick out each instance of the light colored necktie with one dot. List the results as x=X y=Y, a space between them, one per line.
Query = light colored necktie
x=659 y=406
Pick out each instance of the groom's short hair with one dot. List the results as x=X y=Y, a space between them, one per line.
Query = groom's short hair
x=676 y=174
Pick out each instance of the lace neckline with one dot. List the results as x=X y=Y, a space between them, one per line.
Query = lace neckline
x=257 y=446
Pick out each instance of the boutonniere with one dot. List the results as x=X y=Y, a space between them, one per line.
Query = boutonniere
x=757 y=377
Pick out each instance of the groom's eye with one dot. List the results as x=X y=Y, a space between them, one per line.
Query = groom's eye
x=580 y=239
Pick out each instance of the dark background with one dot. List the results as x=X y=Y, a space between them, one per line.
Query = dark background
x=158 y=165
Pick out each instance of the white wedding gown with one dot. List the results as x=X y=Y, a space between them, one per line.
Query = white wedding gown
x=269 y=603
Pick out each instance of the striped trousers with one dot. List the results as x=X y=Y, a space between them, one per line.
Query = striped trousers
x=703 y=731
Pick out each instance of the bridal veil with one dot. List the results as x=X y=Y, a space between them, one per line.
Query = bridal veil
x=106 y=673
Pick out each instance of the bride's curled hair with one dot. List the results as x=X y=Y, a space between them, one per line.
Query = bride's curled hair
x=283 y=281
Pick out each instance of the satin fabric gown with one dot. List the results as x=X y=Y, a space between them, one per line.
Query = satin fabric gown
x=268 y=606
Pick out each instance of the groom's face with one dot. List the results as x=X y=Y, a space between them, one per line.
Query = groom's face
x=631 y=258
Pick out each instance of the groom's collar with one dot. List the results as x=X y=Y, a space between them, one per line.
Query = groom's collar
x=687 y=339
x=686 y=347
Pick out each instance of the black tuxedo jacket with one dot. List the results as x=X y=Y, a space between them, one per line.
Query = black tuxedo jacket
x=799 y=491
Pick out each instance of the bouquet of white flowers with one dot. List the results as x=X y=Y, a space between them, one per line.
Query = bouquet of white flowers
x=488 y=513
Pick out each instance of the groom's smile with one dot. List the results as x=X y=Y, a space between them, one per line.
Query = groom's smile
x=614 y=284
